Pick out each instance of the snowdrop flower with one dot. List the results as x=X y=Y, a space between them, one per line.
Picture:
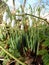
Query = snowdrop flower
x=8 y=21
x=18 y=17
x=36 y=19
x=13 y=23
x=25 y=10
x=30 y=22
x=5 y=16
x=29 y=11
x=22 y=27
x=42 y=23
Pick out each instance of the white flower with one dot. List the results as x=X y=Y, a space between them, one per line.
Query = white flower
x=22 y=27
x=28 y=11
x=42 y=23
x=18 y=17
x=13 y=23
x=8 y=21
x=36 y=19
x=30 y=22
x=5 y=16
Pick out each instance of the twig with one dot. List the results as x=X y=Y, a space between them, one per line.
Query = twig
x=32 y=16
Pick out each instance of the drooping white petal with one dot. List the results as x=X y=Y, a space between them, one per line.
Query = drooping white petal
x=42 y=23
x=13 y=23
x=8 y=21
x=18 y=17
x=28 y=11
x=22 y=27
x=30 y=22
x=36 y=19
x=5 y=16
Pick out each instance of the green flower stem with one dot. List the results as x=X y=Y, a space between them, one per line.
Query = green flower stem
x=12 y=56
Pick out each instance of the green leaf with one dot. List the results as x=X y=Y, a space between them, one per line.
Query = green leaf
x=46 y=59
x=42 y=52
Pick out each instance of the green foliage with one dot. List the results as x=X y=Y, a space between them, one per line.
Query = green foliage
x=13 y=39
x=45 y=45
x=13 y=44
x=46 y=59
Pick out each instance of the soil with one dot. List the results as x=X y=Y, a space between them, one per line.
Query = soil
x=1 y=60
x=11 y=62
x=31 y=59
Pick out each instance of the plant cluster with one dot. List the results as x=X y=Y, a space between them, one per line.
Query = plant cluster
x=25 y=37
